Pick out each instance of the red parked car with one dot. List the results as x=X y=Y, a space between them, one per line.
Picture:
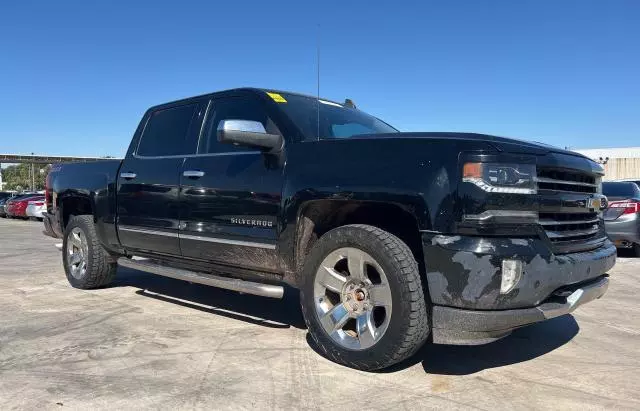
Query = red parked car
x=17 y=206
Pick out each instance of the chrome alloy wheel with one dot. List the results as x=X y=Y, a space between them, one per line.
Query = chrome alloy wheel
x=77 y=253
x=352 y=298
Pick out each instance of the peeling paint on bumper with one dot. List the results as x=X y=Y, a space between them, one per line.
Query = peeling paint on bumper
x=464 y=275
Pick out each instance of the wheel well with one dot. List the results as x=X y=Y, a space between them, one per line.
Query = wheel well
x=72 y=206
x=318 y=217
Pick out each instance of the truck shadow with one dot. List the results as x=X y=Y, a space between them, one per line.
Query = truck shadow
x=262 y=311
x=523 y=344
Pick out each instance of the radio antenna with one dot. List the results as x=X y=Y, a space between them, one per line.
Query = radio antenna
x=318 y=82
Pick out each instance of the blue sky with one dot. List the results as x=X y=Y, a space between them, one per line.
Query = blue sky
x=75 y=76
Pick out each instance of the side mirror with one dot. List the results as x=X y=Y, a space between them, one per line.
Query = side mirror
x=247 y=133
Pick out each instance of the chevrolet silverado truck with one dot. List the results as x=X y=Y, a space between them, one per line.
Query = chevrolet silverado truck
x=390 y=237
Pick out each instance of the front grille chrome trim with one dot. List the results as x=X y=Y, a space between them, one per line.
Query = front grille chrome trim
x=555 y=235
x=564 y=182
x=572 y=225
x=568 y=222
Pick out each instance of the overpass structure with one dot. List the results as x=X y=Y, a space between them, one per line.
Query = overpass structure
x=34 y=159
x=37 y=159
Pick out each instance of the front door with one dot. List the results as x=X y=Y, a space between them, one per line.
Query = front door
x=231 y=195
x=149 y=180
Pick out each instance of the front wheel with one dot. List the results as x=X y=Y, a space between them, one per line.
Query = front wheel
x=86 y=263
x=362 y=298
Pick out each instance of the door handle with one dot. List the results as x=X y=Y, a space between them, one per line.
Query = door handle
x=128 y=176
x=193 y=173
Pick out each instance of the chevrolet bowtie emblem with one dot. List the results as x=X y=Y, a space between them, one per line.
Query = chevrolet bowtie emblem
x=594 y=203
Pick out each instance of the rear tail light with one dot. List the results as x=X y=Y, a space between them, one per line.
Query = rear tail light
x=629 y=206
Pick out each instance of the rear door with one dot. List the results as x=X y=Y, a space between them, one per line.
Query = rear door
x=231 y=194
x=149 y=180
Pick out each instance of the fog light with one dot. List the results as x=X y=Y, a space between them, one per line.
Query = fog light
x=511 y=273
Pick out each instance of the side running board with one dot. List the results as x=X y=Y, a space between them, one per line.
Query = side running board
x=247 y=287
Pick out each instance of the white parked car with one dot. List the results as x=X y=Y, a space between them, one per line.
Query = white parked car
x=35 y=208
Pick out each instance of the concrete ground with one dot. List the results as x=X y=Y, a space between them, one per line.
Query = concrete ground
x=153 y=342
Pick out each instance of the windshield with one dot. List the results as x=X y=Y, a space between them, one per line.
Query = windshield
x=627 y=190
x=336 y=121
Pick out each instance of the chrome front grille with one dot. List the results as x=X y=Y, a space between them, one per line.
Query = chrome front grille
x=570 y=225
x=566 y=181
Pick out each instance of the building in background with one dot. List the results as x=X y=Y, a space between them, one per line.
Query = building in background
x=619 y=163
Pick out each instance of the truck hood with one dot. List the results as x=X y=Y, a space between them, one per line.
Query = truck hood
x=505 y=144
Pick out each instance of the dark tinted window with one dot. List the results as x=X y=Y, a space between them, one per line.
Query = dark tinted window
x=233 y=108
x=626 y=190
x=336 y=121
x=4 y=195
x=166 y=132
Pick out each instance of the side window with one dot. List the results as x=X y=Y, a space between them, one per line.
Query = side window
x=166 y=132
x=232 y=108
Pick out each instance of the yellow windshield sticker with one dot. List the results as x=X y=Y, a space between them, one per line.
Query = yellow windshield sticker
x=277 y=97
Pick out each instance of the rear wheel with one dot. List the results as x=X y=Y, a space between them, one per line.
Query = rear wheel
x=86 y=263
x=362 y=298
x=636 y=250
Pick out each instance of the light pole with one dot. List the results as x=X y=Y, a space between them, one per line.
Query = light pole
x=33 y=178
x=42 y=173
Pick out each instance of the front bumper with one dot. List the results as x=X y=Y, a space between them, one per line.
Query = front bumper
x=35 y=211
x=13 y=212
x=464 y=276
x=469 y=327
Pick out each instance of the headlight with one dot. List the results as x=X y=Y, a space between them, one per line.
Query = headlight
x=501 y=178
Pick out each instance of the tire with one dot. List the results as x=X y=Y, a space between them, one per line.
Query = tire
x=382 y=340
x=86 y=263
x=635 y=251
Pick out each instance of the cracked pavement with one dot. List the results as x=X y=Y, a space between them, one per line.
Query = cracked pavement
x=154 y=342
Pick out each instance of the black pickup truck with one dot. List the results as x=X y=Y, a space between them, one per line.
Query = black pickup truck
x=390 y=237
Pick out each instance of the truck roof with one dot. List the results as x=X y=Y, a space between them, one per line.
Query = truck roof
x=233 y=91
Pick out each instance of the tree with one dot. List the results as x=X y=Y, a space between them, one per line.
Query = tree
x=18 y=176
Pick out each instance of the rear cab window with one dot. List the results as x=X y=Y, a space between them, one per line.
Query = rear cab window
x=169 y=132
